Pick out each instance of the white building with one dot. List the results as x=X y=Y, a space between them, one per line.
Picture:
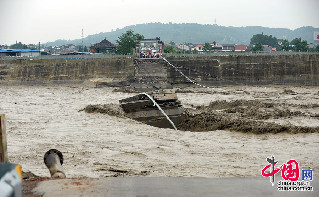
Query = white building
x=183 y=47
x=20 y=52
x=316 y=38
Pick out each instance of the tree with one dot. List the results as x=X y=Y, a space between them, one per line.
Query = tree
x=127 y=42
x=80 y=49
x=264 y=40
x=19 y=46
x=168 y=49
x=195 y=51
x=172 y=43
x=299 y=45
x=258 y=47
x=207 y=47
x=285 y=45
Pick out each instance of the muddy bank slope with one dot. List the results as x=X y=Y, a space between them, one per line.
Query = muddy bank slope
x=257 y=116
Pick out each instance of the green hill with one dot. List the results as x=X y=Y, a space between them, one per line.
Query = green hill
x=196 y=33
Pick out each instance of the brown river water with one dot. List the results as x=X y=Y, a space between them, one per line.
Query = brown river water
x=100 y=145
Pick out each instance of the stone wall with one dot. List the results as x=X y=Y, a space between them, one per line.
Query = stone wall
x=66 y=70
x=296 y=69
x=288 y=69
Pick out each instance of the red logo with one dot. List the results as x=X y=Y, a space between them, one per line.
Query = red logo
x=318 y=37
x=289 y=170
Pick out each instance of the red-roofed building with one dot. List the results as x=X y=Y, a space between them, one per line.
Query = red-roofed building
x=240 y=48
x=199 y=47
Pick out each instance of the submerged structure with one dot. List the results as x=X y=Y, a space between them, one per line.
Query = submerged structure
x=162 y=110
x=159 y=106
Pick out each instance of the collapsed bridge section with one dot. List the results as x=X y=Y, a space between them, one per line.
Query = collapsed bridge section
x=168 y=112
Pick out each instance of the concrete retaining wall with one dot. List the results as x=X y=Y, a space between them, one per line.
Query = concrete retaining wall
x=297 y=69
x=294 y=69
x=65 y=70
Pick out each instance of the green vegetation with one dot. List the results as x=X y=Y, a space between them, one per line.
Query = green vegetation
x=207 y=47
x=299 y=45
x=19 y=46
x=284 y=46
x=127 y=42
x=194 y=33
x=169 y=49
x=264 y=40
x=82 y=49
x=257 y=47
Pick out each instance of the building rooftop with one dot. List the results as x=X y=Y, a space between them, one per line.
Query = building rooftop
x=104 y=44
x=17 y=50
x=157 y=38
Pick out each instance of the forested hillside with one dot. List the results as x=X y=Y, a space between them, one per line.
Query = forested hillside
x=195 y=33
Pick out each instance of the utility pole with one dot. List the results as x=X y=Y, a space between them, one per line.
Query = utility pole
x=39 y=50
x=82 y=41
x=3 y=139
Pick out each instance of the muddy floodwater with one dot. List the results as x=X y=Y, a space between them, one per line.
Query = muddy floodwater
x=234 y=130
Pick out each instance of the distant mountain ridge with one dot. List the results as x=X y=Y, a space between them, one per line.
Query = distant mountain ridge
x=195 y=33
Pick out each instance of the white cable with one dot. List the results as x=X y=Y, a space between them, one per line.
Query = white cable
x=184 y=74
x=155 y=104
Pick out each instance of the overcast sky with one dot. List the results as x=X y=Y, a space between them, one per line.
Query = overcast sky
x=33 y=21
